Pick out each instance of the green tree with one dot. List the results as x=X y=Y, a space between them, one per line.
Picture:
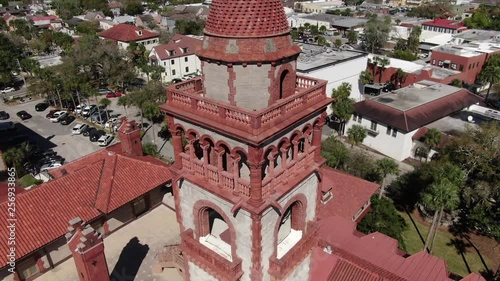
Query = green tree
x=342 y=106
x=356 y=134
x=105 y=102
x=384 y=218
x=125 y=102
x=414 y=39
x=16 y=156
x=335 y=152
x=150 y=149
x=404 y=55
x=337 y=43
x=377 y=33
x=386 y=166
x=399 y=77
x=322 y=29
x=134 y=7
x=352 y=37
x=382 y=63
x=63 y=40
x=490 y=72
x=30 y=66
x=456 y=83
x=88 y=27
x=365 y=77
x=186 y=27
x=151 y=111
x=362 y=165
x=432 y=138
x=9 y=54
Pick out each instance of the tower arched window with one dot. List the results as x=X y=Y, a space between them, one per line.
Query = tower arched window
x=283 y=79
x=291 y=228
x=214 y=232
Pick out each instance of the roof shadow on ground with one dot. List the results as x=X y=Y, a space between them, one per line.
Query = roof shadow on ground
x=130 y=260
x=43 y=143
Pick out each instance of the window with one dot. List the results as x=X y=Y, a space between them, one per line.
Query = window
x=139 y=206
x=477 y=64
x=214 y=232
x=148 y=42
x=173 y=71
x=434 y=62
x=165 y=63
x=440 y=63
x=354 y=117
x=360 y=118
x=373 y=126
x=470 y=66
x=389 y=130
x=461 y=67
x=172 y=61
x=187 y=69
x=290 y=228
x=394 y=132
x=186 y=59
x=171 y=53
x=454 y=66
x=185 y=50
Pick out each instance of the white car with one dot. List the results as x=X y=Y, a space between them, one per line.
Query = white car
x=105 y=140
x=89 y=110
x=79 y=108
x=78 y=129
x=58 y=116
x=113 y=122
x=7 y=90
x=50 y=166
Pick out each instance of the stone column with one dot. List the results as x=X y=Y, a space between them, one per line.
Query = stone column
x=236 y=173
x=295 y=145
x=178 y=149
x=205 y=148
x=272 y=159
x=256 y=183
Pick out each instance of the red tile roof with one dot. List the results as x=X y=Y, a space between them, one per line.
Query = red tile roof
x=126 y=33
x=115 y=4
x=44 y=18
x=349 y=193
x=375 y=254
x=176 y=44
x=420 y=136
x=87 y=188
x=450 y=24
x=418 y=116
x=4 y=191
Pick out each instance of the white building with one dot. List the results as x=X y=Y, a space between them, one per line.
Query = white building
x=123 y=34
x=335 y=66
x=393 y=119
x=177 y=57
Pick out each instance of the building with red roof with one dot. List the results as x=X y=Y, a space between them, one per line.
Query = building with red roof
x=106 y=189
x=123 y=34
x=392 y=119
x=444 y=26
x=177 y=57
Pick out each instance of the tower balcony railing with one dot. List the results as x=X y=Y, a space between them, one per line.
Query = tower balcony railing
x=209 y=260
x=189 y=96
x=280 y=268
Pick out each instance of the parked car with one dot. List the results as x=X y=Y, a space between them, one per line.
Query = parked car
x=68 y=119
x=7 y=90
x=105 y=140
x=51 y=113
x=493 y=103
x=23 y=115
x=4 y=115
x=43 y=153
x=58 y=116
x=114 y=95
x=94 y=136
x=51 y=159
x=88 y=131
x=41 y=106
x=79 y=108
x=99 y=117
x=104 y=91
x=50 y=166
x=79 y=128
x=89 y=110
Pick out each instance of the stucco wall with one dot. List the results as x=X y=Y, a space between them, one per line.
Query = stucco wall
x=270 y=218
x=242 y=223
x=193 y=64
x=196 y=273
x=215 y=136
x=215 y=81
x=119 y=217
x=252 y=83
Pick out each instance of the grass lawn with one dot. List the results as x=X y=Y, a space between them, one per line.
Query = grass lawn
x=444 y=248
x=28 y=180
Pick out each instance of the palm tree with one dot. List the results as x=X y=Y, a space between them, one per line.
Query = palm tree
x=400 y=76
x=365 y=77
x=15 y=156
x=105 y=102
x=385 y=167
x=490 y=74
x=151 y=110
x=356 y=134
x=125 y=102
x=432 y=138
x=440 y=195
x=382 y=62
x=322 y=29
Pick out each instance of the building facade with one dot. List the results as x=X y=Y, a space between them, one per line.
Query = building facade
x=455 y=58
x=444 y=26
x=247 y=189
x=124 y=34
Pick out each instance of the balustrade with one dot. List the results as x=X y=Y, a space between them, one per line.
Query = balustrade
x=189 y=96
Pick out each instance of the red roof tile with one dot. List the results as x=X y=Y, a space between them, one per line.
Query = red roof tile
x=4 y=191
x=450 y=24
x=115 y=4
x=126 y=33
x=44 y=18
x=87 y=188
x=176 y=44
x=349 y=193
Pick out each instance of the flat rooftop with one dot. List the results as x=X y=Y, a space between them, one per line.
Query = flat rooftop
x=477 y=35
x=349 y=22
x=314 y=56
x=438 y=72
x=457 y=51
x=415 y=95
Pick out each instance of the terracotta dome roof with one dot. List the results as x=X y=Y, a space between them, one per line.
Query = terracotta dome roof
x=246 y=18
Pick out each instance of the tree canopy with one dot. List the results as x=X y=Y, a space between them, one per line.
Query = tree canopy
x=377 y=33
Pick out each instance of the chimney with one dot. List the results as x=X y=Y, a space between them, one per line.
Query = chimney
x=87 y=248
x=130 y=136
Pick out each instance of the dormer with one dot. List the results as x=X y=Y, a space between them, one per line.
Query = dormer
x=171 y=52
x=139 y=32
x=185 y=50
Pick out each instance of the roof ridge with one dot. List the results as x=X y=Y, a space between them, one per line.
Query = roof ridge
x=99 y=185
x=115 y=162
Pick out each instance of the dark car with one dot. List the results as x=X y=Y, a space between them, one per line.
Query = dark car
x=94 y=136
x=176 y=80
x=23 y=115
x=4 y=115
x=68 y=119
x=88 y=131
x=51 y=159
x=493 y=103
x=51 y=113
x=41 y=106
x=43 y=154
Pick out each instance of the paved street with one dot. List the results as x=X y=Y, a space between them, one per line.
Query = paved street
x=148 y=234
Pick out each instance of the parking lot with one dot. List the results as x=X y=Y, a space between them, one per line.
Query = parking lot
x=58 y=137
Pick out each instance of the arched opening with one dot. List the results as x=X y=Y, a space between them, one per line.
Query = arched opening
x=291 y=228
x=214 y=232
x=283 y=79
x=243 y=168
x=270 y=163
x=225 y=158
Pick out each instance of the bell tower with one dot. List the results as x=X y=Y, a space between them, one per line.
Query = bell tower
x=247 y=138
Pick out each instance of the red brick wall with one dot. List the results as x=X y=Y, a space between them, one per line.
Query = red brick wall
x=472 y=65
